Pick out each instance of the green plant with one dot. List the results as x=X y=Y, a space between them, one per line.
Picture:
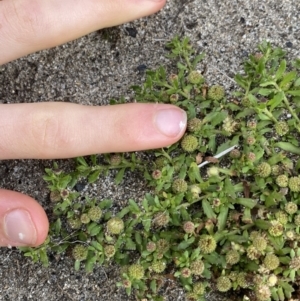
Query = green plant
x=231 y=225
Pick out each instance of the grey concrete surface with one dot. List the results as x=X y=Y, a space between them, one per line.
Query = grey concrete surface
x=101 y=66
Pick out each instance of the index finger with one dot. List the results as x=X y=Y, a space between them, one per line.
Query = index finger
x=27 y=26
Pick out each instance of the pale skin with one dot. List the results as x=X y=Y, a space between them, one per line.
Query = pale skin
x=62 y=130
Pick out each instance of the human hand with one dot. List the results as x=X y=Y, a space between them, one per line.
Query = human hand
x=63 y=130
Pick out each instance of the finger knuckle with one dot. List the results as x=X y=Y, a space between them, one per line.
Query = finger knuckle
x=48 y=134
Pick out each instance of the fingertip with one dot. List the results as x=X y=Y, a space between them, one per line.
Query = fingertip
x=23 y=221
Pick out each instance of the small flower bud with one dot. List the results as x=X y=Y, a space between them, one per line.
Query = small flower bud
x=264 y=169
x=194 y=125
x=207 y=244
x=282 y=181
x=151 y=246
x=189 y=143
x=179 y=186
x=156 y=174
x=291 y=208
x=281 y=128
x=197 y=267
x=136 y=271
x=189 y=227
x=80 y=252
x=223 y=284
x=216 y=92
x=294 y=184
x=195 y=77
x=271 y=262
x=115 y=225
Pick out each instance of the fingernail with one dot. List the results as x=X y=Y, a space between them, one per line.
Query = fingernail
x=19 y=228
x=171 y=122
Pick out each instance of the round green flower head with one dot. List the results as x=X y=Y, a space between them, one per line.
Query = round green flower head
x=294 y=184
x=195 y=77
x=235 y=154
x=85 y=218
x=115 y=159
x=189 y=227
x=179 y=186
x=276 y=229
x=282 y=181
x=74 y=223
x=80 y=252
x=264 y=169
x=199 y=288
x=260 y=243
x=109 y=251
x=282 y=217
x=158 y=266
x=95 y=213
x=295 y=263
x=115 y=225
x=194 y=125
x=160 y=162
x=223 y=284
x=291 y=208
x=161 y=219
x=262 y=292
x=271 y=262
x=195 y=191
x=281 y=128
x=189 y=143
x=232 y=257
x=297 y=220
x=290 y=235
x=136 y=271
x=162 y=246
x=55 y=196
x=197 y=267
x=276 y=170
x=216 y=92
x=213 y=171
x=241 y=280
x=207 y=244
x=272 y=280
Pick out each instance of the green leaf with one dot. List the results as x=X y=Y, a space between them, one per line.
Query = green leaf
x=222 y=218
x=265 y=92
x=119 y=176
x=281 y=69
x=208 y=209
x=289 y=147
x=44 y=257
x=293 y=93
x=77 y=265
x=186 y=243
x=81 y=161
x=134 y=206
x=249 y=203
x=288 y=78
x=262 y=224
x=276 y=100
x=94 y=176
x=268 y=83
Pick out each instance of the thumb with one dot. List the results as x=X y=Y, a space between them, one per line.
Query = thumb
x=29 y=25
x=23 y=222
